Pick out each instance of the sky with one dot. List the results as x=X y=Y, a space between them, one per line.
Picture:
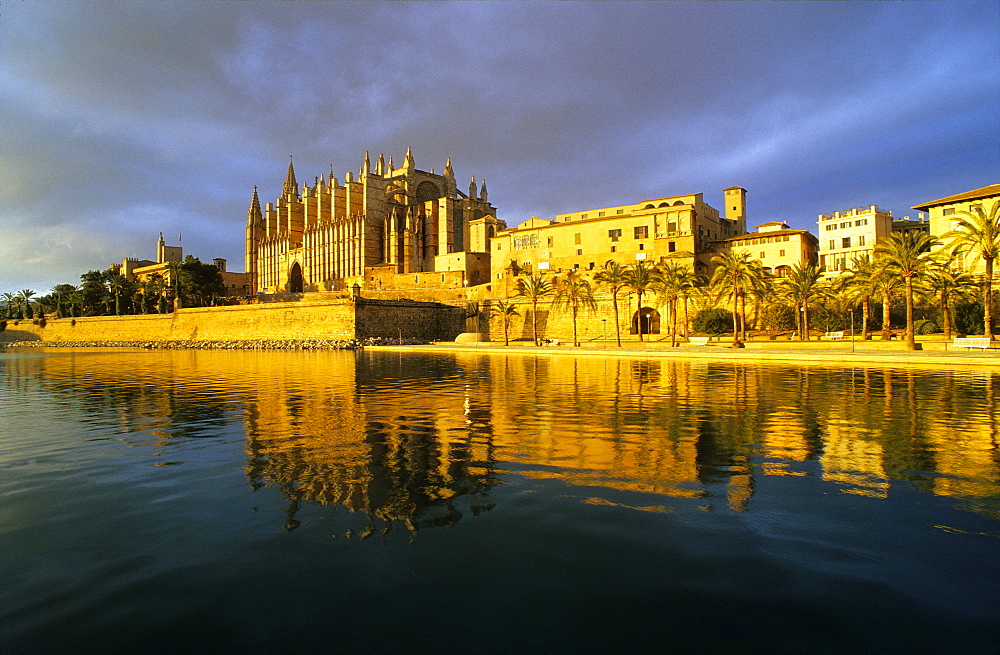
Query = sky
x=119 y=121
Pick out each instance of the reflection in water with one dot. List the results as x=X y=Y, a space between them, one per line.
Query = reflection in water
x=420 y=440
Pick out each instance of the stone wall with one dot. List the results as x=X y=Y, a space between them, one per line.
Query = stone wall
x=329 y=319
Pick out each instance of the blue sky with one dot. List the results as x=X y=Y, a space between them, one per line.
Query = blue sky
x=124 y=120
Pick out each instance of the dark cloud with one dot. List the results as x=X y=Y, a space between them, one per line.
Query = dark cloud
x=126 y=119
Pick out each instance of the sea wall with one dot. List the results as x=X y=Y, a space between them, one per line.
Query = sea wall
x=330 y=319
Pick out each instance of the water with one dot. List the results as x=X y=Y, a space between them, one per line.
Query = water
x=200 y=501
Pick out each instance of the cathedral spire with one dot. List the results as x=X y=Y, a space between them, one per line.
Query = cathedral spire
x=291 y=186
x=482 y=192
x=472 y=188
x=253 y=214
x=380 y=165
x=448 y=171
x=392 y=165
x=408 y=162
x=366 y=165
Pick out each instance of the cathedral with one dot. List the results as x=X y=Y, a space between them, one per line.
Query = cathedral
x=371 y=230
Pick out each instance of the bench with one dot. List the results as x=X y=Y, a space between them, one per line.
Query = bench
x=697 y=341
x=834 y=335
x=970 y=342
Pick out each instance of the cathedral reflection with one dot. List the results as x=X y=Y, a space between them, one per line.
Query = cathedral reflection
x=420 y=440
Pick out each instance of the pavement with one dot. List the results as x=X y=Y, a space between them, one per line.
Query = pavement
x=805 y=353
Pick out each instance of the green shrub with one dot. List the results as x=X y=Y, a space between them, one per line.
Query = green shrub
x=925 y=326
x=775 y=317
x=713 y=321
x=968 y=317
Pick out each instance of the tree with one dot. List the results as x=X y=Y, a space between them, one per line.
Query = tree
x=118 y=285
x=174 y=276
x=25 y=295
x=534 y=288
x=801 y=286
x=575 y=292
x=614 y=276
x=61 y=294
x=946 y=284
x=9 y=301
x=505 y=311
x=862 y=281
x=908 y=256
x=200 y=283
x=639 y=278
x=978 y=234
x=887 y=285
x=668 y=284
x=96 y=298
x=736 y=274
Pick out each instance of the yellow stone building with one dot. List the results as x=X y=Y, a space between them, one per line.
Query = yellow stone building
x=777 y=247
x=670 y=229
x=942 y=214
x=853 y=234
x=386 y=222
x=141 y=270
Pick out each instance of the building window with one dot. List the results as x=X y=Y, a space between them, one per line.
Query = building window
x=845 y=225
x=614 y=235
x=781 y=253
x=579 y=251
x=499 y=246
x=576 y=238
x=861 y=240
x=599 y=214
x=671 y=246
x=620 y=211
x=845 y=242
x=548 y=242
x=761 y=256
x=526 y=241
x=860 y=222
x=642 y=246
x=583 y=216
x=614 y=248
x=576 y=266
x=831 y=226
x=833 y=244
x=641 y=231
x=948 y=212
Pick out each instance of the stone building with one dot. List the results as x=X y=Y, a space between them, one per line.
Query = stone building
x=942 y=220
x=854 y=233
x=386 y=222
x=141 y=270
x=672 y=229
x=777 y=247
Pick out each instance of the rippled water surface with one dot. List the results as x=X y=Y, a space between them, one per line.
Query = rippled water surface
x=200 y=501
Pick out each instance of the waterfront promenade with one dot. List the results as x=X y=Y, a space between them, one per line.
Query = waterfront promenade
x=814 y=352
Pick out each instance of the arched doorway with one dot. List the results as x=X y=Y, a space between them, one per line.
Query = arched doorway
x=650 y=321
x=295 y=279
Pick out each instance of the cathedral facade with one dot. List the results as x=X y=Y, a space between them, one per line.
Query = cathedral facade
x=386 y=222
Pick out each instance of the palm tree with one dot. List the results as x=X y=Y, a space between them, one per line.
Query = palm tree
x=575 y=292
x=25 y=296
x=945 y=283
x=639 y=278
x=117 y=283
x=667 y=285
x=886 y=283
x=61 y=293
x=862 y=279
x=614 y=276
x=174 y=270
x=505 y=311
x=10 y=304
x=907 y=255
x=534 y=288
x=736 y=274
x=689 y=282
x=802 y=285
x=979 y=233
